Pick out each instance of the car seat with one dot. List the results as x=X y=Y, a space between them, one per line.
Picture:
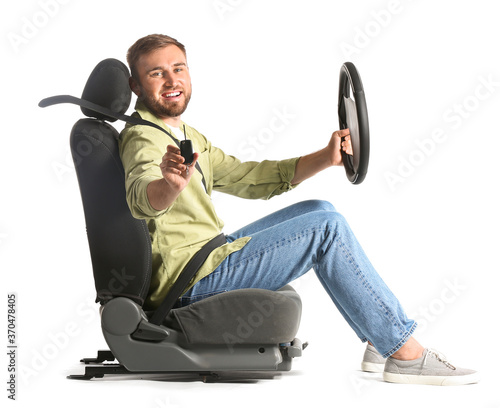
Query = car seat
x=240 y=330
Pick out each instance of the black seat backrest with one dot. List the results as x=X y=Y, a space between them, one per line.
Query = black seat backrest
x=120 y=245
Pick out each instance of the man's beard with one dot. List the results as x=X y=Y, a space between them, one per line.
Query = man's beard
x=165 y=109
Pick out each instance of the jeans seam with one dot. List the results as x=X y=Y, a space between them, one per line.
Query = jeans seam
x=368 y=287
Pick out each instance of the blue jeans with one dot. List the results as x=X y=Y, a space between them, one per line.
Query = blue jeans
x=312 y=235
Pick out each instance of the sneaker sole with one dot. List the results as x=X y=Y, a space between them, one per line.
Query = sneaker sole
x=431 y=379
x=372 y=367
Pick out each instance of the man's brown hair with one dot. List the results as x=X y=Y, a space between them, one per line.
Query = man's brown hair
x=147 y=44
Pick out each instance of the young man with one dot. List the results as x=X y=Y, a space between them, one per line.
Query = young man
x=175 y=199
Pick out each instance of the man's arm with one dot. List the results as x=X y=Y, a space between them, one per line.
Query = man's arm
x=331 y=155
x=163 y=192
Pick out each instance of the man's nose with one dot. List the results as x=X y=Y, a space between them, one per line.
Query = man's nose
x=169 y=79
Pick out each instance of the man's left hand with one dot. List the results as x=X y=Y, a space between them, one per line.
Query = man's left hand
x=336 y=144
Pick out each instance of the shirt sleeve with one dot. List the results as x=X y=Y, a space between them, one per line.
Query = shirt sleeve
x=252 y=180
x=141 y=153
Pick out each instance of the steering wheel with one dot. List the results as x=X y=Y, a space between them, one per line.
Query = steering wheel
x=354 y=115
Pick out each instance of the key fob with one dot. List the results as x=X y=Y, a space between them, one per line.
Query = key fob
x=187 y=151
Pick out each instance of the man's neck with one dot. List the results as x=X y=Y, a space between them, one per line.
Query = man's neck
x=175 y=122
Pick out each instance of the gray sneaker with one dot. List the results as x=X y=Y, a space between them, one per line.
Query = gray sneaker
x=373 y=362
x=431 y=369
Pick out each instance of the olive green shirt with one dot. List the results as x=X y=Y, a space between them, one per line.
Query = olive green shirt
x=179 y=231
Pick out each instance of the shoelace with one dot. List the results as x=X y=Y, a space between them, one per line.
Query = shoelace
x=439 y=356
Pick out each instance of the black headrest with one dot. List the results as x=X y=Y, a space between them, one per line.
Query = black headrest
x=108 y=86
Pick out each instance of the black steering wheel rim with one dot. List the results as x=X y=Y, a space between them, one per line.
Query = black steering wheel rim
x=354 y=115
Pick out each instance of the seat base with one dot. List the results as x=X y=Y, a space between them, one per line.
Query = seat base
x=241 y=344
x=105 y=364
x=101 y=369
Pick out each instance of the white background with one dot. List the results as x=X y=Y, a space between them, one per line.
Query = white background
x=431 y=232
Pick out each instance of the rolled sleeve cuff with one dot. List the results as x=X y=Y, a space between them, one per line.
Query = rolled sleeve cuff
x=287 y=172
x=138 y=201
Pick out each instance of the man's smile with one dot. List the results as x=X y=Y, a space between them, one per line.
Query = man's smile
x=171 y=95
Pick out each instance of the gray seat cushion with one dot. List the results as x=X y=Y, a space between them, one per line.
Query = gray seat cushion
x=243 y=316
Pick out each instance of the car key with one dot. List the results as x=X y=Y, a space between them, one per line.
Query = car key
x=187 y=149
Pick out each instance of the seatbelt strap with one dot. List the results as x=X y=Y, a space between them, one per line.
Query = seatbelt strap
x=53 y=100
x=184 y=278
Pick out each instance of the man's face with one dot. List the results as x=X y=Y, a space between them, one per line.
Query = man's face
x=164 y=83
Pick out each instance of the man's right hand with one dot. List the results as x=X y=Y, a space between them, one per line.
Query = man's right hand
x=174 y=171
x=176 y=176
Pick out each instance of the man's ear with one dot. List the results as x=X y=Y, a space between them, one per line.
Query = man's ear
x=134 y=86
